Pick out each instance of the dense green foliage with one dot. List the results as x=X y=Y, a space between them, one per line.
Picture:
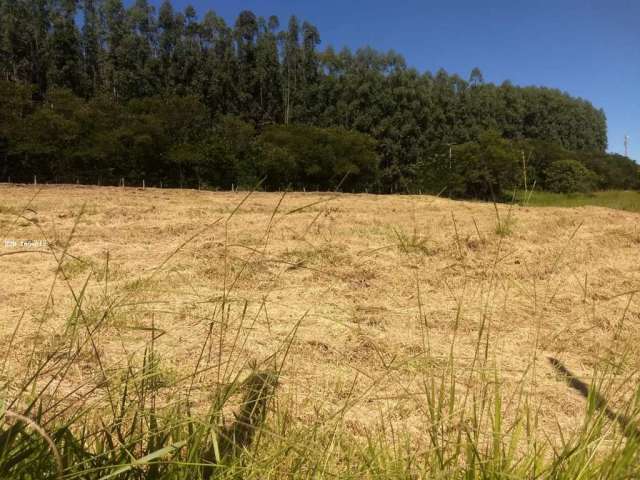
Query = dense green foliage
x=489 y=166
x=569 y=176
x=318 y=158
x=95 y=91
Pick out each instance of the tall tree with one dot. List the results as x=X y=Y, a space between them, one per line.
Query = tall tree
x=115 y=18
x=246 y=34
x=241 y=79
x=221 y=88
x=168 y=35
x=23 y=46
x=268 y=72
x=476 y=78
x=65 y=48
x=309 y=70
x=292 y=66
x=138 y=63
x=91 y=47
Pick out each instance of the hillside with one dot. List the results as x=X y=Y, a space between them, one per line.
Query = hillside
x=361 y=296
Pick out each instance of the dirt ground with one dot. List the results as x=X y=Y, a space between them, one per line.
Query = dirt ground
x=359 y=295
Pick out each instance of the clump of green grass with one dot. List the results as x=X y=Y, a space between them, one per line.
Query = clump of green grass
x=141 y=425
x=504 y=224
x=73 y=267
x=504 y=227
x=137 y=440
x=617 y=199
x=412 y=243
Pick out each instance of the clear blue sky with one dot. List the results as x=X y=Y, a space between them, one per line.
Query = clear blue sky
x=588 y=48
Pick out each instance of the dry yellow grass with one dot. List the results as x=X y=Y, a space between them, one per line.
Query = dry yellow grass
x=374 y=282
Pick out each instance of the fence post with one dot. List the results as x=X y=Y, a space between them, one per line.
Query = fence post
x=35 y=180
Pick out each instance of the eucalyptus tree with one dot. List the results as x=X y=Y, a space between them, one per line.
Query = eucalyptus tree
x=269 y=95
x=91 y=46
x=126 y=60
x=248 y=84
x=292 y=56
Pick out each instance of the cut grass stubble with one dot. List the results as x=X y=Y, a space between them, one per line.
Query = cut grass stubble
x=137 y=421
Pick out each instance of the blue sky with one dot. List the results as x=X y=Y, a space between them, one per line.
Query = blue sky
x=588 y=48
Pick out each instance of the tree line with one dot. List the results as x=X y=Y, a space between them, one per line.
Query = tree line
x=93 y=90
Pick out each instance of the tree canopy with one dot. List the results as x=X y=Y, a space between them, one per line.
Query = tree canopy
x=95 y=89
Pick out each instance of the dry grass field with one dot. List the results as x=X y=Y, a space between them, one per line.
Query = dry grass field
x=373 y=309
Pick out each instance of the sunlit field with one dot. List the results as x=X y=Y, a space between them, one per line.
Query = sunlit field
x=192 y=334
